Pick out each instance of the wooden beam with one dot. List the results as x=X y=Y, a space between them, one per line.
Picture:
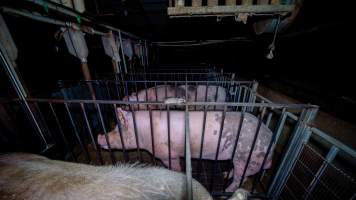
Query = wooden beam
x=229 y=10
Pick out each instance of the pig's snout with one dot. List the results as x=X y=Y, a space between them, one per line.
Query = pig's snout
x=102 y=141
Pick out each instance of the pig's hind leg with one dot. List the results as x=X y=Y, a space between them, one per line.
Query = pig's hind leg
x=237 y=175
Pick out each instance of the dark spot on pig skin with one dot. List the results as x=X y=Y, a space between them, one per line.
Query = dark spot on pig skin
x=260 y=155
x=215 y=132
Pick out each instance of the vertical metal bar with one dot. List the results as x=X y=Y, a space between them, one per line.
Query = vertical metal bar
x=175 y=89
x=251 y=150
x=113 y=160
x=146 y=95
x=84 y=149
x=107 y=90
x=216 y=95
x=196 y=94
x=253 y=92
x=260 y=174
x=202 y=137
x=136 y=135
x=95 y=145
x=42 y=119
x=146 y=52
x=294 y=147
x=165 y=89
x=156 y=91
x=206 y=92
x=328 y=159
x=242 y=116
x=21 y=92
x=152 y=136
x=62 y=133
x=269 y=117
x=244 y=98
x=122 y=52
x=188 y=164
x=169 y=138
x=218 y=146
x=137 y=97
x=118 y=94
x=119 y=126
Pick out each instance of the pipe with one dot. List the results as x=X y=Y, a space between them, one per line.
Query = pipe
x=65 y=10
x=48 y=20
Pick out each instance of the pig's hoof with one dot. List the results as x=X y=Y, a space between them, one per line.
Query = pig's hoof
x=239 y=194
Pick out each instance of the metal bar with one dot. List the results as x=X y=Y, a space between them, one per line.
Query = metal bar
x=122 y=52
x=140 y=80
x=232 y=10
x=42 y=119
x=95 y=145
x=260 y=174
x=67 y=11
x=136 y=133
x=196 y=94
x=295 y=144
x=165 y=89
x=251 y=150
x=21 y=92
x=328 y=159
x=113 y=160
x=152 y=136
x=218 y=146
x=146 y=53
x=107 y=89
x=242 y=116
x=335 y=142
x=156 y=91
x=216 y=95
x=269 y=117
x=84 y=149
x=119 y=127
x=202 y=137
x=137 y=97
x=188 y=164
x=169 y=138
x=62 y=133
x=269 y=105
x=244 y=99
x=146 y=95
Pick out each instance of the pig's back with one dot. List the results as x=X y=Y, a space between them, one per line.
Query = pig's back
x=29 y=177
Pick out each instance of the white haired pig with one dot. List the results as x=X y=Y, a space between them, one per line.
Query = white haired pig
x=34 y=177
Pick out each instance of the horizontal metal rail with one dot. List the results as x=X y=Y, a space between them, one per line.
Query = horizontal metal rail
x=228 y=10
x=269 y=105
x=334 y=142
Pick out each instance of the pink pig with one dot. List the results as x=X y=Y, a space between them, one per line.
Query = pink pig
x=197 y=93
x=177 y=125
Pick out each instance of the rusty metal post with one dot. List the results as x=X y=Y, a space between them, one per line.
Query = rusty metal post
x=246 y=2
x=196 y=3
x=230 y=2
x=86 y=72
x=179 y=3
x=213 y=2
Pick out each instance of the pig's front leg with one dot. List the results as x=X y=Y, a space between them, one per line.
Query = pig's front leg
x=175 y=164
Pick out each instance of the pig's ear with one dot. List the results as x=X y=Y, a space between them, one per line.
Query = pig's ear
x=122 y=115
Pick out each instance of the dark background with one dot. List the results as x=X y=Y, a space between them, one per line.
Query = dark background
x=313 y=60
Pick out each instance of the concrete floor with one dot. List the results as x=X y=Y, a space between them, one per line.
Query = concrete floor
x=341 y=130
